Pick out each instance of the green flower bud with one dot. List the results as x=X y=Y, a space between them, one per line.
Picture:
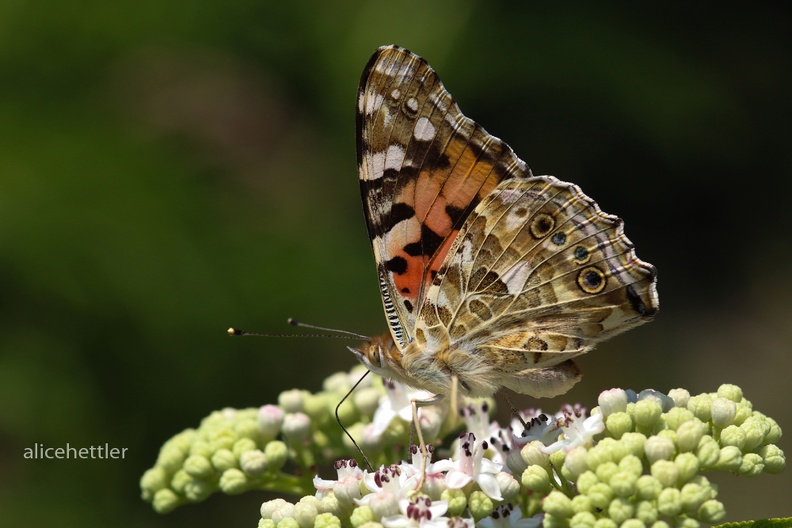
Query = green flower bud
x=165 y=501
x=669 y=502
x=575 y=462
x=648 y=488
x=693 y=496
x=689 y=435
x=623 y=483
x=600 y=494
x=270 y=419
x=156 y=479
x=337 y=383
x=711 y=512
x=233 y=482
x=730 y=392
x=509 y=487
x=305 y=511
x=606 y=471
x=515 y=462
x=612 y=401
x=583 y=519
x=317 y=408
x=457 y=501
x=180 y=479
x=367 y=400
x=680 y=397
x=171 y=457
x=276 y=509
x=288 y=522
x=296 y=427
x=730 y=458
x=327 y=520
x=581 y=503
x=670 y=434
x=480 y=505
x=266 y=523
x=677 y=416
x=708 y=452
x=631 y=464
x=531 y=454
x=659 y=448
x=618 y=423
x=586 y=480
x=688 y=465
x=536 y=478
x=752 y=465
x=632 y=523
x=620 y=510
x=222 y=440
x=733 y=436
x=701 y=406
x=666 y=472
x=277 y=453
x=660 y=524
x=723 y=412
x=223 y=459
x=646 y=512
x=247 y=428
x=242 y=445
x=198 y=490
x=203 y=448
x=360 y=516
x=599 y=454
x=558 y=505
x=647 y=413
x=743 y=412
x=253 y=462
x=756 y=428
x=329 y=504
x=774 y=434
x=371 y=524
x=633 y=444
x=291 y=401
x=773 y=459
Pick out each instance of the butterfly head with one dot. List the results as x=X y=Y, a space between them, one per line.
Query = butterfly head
x=376 y=354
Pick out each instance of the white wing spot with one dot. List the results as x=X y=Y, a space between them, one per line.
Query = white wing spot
x=373 y=102
x=424 y=129
x=394 y=158
x=516 y=277
x=412 y=104
x=395 y=94
x=376 y=166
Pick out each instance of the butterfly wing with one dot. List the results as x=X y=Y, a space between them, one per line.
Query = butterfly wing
x=424 y=167
x=537 y=275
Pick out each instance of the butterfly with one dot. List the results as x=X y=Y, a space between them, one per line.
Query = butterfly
x=490 y=277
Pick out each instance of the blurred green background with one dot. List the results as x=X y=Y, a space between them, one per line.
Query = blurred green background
x=169 y=169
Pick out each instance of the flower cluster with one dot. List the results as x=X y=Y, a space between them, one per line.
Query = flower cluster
x=278 y=447
x=635 y=460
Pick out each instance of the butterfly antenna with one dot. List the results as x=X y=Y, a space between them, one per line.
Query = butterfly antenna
x=334 y=333
x=294 y=322
x=338 y=419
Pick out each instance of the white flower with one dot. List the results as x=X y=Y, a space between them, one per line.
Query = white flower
x=389 y=485
x=396 y=402
x=419 y=512
x=434 y=476
x=347 y=487
x=576 y=430
x=540 y=427
x=472 y=466
x=507 y=516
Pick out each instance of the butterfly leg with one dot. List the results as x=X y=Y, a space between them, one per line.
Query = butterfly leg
x=422 y=444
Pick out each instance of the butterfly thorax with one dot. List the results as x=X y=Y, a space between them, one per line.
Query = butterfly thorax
x=432 y=369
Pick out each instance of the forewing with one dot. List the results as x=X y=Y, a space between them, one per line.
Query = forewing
x=424 y=167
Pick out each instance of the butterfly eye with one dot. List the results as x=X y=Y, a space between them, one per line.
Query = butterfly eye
x=374 y=356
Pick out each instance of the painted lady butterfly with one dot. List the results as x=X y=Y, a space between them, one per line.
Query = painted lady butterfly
x=489 y=275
